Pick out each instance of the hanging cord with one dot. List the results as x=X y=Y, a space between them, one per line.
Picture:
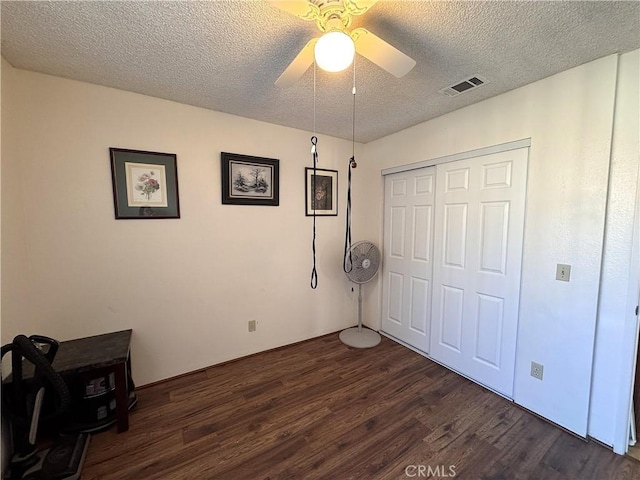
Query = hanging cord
x=314 y=154
x=347 y=265
x=348 y=260
x=353 y=116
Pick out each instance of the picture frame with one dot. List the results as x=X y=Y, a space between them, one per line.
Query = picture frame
x=145 y=184
x=325 y=199
x=248 y=180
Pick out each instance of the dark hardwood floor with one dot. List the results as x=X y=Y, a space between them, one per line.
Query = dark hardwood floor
x=321 y=410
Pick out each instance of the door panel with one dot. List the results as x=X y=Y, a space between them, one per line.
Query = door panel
x=452 y=313
x=489 y=329
x=494 y=224
x=422 y=215
x=479 y=226
x=406 y=266
x=395 y=297
x=454 y=232
x=456 y=179
x=420 y=307
x=397 y=231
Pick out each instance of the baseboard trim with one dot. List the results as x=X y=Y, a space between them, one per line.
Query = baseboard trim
x=200 y=370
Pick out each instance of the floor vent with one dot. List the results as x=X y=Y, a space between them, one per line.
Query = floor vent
x=464 y=86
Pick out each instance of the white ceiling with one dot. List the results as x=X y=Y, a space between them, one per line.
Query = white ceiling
x=226 y=55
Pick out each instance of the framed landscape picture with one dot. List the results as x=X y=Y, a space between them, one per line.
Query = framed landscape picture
x=250 y=180
x=321 y=192
x=145 y=184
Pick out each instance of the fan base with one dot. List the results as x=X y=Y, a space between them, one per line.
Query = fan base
x=360 y=337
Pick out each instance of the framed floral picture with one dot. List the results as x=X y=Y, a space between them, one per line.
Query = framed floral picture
x=321 y=192
x=145 y=184
x=250 y=180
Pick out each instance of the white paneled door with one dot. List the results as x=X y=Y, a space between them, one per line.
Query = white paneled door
x=478 y=237
x=406 y=266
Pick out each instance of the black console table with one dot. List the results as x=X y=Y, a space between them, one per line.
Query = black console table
x=101 y=355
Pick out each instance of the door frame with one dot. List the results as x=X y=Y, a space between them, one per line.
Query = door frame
x=478 y=152
x=630 y=350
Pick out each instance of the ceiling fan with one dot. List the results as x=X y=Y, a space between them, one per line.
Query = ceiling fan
x=333 y=18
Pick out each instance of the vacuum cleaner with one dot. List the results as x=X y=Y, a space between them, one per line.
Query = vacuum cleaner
x=24 y=402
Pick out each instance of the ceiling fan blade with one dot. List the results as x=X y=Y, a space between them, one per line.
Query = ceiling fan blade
x=299 y=8
x=381 y=53
x=300 y=64
x=358 y=7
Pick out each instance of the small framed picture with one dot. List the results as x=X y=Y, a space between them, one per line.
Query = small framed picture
x=250 y=180
x=145 y=184
x=321 y=192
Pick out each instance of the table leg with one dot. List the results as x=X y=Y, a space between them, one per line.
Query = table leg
x=122 y=397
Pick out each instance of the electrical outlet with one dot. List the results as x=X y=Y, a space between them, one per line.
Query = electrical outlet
x=563 y=272
x=537 y=370
x=252 y=325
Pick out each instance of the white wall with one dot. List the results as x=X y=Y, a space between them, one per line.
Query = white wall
x=14 y=302
x=611 y=365
x=569 y=119
x=4 y=430
x=187 y=287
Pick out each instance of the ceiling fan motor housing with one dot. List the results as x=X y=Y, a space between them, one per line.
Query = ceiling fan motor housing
x=340 y=9
x=333 y=19
x=335 y=16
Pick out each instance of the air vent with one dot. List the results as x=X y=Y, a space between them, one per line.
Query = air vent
x=464 y=86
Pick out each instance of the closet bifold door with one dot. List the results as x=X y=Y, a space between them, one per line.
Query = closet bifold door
x=478 y=237
x=407 y=262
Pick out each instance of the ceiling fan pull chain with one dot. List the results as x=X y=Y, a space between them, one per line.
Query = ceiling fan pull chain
x=314 y=154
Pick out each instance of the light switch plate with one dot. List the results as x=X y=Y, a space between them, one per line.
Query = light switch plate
x=563 y=272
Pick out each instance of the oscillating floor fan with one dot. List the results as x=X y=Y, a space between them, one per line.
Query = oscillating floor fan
x=364 y=258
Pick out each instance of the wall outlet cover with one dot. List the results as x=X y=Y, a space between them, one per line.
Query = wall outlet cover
x=537 y=370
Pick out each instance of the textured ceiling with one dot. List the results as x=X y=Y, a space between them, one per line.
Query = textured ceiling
x=226 y=55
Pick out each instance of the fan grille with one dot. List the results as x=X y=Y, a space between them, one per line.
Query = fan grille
x=365 y=258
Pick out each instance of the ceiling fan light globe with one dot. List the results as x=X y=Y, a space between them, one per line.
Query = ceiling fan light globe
x=334 y=51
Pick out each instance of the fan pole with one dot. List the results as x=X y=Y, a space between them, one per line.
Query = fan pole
x=359 y=337
x=359 y=307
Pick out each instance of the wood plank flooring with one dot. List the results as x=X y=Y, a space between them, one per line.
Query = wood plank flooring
x=321 y=410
